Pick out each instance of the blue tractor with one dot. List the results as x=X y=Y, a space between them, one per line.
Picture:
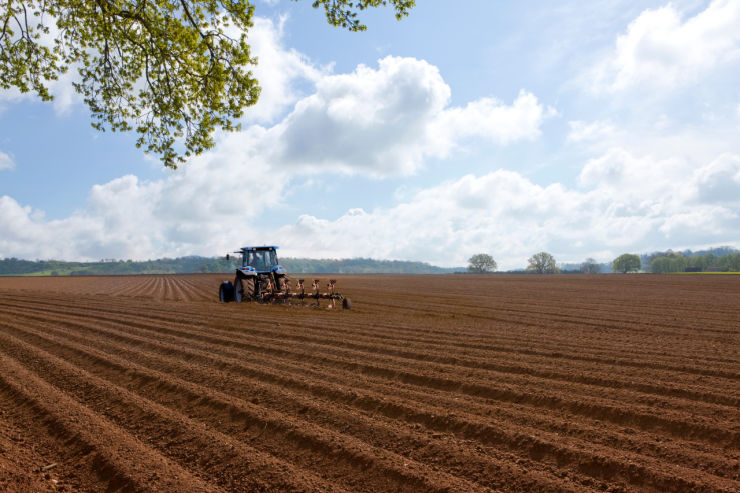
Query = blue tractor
x=261 y=278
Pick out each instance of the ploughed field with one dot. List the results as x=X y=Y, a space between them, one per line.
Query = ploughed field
x=430 y=383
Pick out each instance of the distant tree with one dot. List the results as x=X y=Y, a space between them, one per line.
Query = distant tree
x=626 y=263
x=481 y=264
x=660 y=265
x=542 y=263
x=733 y=261
x=590 y=267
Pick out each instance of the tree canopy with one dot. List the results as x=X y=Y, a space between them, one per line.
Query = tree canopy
x=174 y=71
x=542 y=263
x=481 y=263
x=627 y=262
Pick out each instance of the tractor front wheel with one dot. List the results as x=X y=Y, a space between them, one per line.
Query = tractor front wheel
x=238 y=290
x=226 y=292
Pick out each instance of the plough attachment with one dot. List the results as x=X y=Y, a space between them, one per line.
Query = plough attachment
x=311 y=298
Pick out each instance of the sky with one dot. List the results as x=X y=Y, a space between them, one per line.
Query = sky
x=584 y=129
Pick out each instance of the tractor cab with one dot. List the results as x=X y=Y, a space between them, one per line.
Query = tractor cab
x=261 y=259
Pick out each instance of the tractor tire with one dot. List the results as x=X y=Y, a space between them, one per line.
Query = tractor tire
x=226 y=292
x=238 y=290
x=243 y=289
x=248 y=288
x=346 y=303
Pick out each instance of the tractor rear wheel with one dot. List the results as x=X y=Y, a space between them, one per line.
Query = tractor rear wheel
x=346 y=303
x=249 y=288
x=243 y=289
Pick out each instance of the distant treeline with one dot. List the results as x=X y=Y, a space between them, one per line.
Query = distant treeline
x=575 y=268
x=363 y=266
x=194 y=264
x=719 y=259
x=13 y=266
x=670 y=262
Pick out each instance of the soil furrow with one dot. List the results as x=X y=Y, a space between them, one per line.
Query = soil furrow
x=120 y=462
x=361 y=465
x=587 y=405
x=505 y=382
x=472 y=430
x=558 y=354
x=174 y=435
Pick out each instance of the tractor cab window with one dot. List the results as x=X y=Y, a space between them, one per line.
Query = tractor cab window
x=261 y=259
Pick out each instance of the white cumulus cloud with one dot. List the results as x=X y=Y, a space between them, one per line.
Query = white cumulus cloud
x=626 y=203
x=376 y=121
x=621 y=174
x=6 y=162
x=662 y=49
x=491 y=119
x=719 y=181
x=204 y=207
x=387 y=121
x=278 y=70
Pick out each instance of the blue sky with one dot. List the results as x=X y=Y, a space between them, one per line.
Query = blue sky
x=498 y=127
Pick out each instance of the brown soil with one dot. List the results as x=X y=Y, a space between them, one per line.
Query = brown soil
x=430 y=383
